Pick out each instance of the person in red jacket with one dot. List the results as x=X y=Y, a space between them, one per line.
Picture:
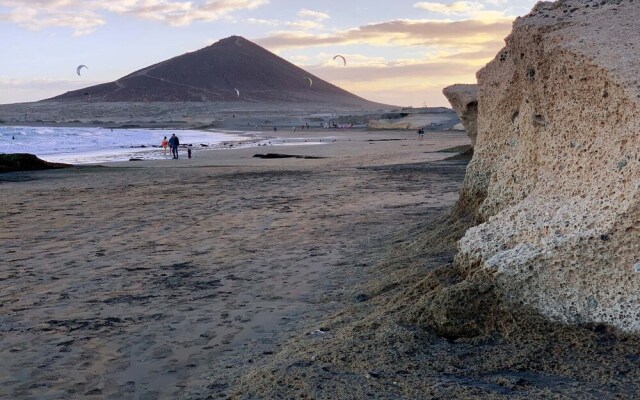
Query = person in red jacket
x=164 y=144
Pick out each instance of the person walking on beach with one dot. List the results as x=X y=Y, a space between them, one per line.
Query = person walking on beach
x=420 y=133
x=165 y=144
x=174 y=142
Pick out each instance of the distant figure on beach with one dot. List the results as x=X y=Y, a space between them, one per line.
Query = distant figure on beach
x=165 y=144
x=174 y=142
x=189 y=152
x=420 y=133
x=13 y=137
x=275 y=129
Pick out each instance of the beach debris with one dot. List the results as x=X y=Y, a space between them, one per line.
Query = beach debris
x=80 y=68
x=344 y=60
x=277 y=155
x=320 y=332
x=361 y=297
x=238 y=93
x=306 y=78
x=636 y=267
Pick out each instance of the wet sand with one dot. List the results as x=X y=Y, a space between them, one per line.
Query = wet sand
x=175 y=278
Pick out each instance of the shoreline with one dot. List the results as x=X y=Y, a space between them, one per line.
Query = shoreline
x=140 y=146
x=253 y=139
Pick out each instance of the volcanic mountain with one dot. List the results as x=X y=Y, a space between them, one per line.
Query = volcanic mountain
x=231 y=70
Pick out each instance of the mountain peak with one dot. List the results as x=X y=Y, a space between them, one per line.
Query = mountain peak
x=232 y=69
x=230 y=41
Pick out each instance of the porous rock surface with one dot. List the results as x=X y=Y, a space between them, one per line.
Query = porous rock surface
x=464 y=100
x=556 y=168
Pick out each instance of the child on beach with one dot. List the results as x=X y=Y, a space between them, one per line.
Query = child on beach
x=165 y=144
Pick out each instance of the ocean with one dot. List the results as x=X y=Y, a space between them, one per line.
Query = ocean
x=97 y=145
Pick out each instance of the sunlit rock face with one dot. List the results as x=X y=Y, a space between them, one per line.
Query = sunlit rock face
x=464 y=100
x=556 y=169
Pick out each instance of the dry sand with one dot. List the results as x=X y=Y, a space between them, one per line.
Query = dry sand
x=175 y=278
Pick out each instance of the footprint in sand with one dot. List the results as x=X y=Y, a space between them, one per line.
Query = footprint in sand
x=161 y=352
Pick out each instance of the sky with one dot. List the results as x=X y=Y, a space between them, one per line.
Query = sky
x=400 y=52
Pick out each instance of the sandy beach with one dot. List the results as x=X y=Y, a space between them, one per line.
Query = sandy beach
x=233 y=276
x=309 y=242
x=174 y=278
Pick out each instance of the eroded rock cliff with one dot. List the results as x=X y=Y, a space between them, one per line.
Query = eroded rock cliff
x=464 y=100
x=556 y=168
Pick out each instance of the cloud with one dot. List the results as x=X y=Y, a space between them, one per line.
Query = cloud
x=413 y=83
x=264 y=22
x=438 y=54
x=7 y=82
x=483 y=55
x=15 y=90
x=180 y=13
x=405 y=85
x=84 y=16
x=372 y=74
x=497 y=2
x=325 y=60
x=442 y=53
x=305 y=25
x=474 y=10
x=35 y=16
x=396 y=32
x=457 y=7
x=320 y=16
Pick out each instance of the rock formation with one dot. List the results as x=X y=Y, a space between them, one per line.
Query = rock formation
x=464 y=100
x=556 y=168
x=26 y=162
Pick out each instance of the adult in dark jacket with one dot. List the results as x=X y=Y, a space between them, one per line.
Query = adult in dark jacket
x=174 y=142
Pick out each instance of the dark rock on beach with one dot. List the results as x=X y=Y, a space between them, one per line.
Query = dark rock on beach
x=25 y=162
x=277 y=155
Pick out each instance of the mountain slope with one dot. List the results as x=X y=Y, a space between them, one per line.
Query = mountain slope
x=214 y=73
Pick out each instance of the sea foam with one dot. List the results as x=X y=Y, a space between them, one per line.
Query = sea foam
x=95 y=145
